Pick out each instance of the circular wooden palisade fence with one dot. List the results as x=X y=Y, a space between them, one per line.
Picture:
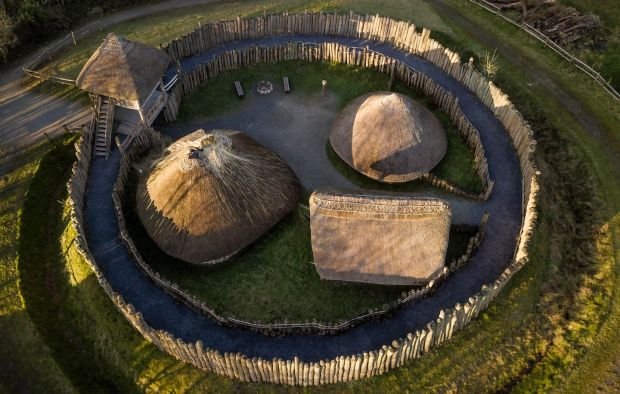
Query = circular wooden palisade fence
x=401 y=35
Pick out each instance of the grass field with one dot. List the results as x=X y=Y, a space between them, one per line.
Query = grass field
x=607 y=61
x=555 y=327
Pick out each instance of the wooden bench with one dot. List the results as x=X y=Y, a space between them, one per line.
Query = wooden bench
x=238 y=88
x=287 y=87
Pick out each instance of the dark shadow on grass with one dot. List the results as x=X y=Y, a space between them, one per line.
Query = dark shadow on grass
x=43 y=277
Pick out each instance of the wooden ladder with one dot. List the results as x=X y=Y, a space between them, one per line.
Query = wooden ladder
x=105 y=116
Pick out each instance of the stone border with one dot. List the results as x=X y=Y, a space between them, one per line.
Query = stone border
x=358 y=366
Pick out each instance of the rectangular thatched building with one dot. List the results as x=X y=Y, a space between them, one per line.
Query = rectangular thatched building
x=389 y=239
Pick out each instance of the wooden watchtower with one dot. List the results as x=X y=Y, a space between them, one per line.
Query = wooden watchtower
x=124 y=79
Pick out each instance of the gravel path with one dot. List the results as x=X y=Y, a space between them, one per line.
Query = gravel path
x=162 y=312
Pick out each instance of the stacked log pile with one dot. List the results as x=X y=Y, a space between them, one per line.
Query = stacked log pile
x=563 y=25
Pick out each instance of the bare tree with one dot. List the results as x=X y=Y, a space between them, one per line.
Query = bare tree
x=7 y=36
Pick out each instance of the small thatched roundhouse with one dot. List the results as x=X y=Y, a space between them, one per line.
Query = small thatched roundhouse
x=388 y=137
x=387 y=239
x=210 y=195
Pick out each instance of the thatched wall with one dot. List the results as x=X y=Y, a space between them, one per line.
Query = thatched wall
x=401 y=350
x=381 y=238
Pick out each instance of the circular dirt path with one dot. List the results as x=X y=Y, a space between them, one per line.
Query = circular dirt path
x=162 y=312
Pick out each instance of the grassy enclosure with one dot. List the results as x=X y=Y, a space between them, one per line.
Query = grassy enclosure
x=346 y=83
x=276 y=272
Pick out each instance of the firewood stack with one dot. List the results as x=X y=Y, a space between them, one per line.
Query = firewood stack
x=563 y=25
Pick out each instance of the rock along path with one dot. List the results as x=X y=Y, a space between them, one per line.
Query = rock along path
x=163 y=312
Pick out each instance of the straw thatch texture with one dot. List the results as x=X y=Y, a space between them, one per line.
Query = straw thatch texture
x=210 y=195
x=123 y=69
x=389 y=239
x=388 y=137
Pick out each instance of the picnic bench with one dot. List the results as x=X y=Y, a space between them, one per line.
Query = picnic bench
x=239 y=88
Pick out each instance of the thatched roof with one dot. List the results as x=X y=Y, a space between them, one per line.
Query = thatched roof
x=388 y=137
x=210 y=195
x=389 y=239
x=123 y=69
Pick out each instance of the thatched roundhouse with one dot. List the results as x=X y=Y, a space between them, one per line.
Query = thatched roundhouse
x=210 y=195
x=388 y=137
x=387 y=239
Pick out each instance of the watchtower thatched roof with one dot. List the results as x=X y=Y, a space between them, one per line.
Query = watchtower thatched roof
x=210 y=195
x=388 y=137
x=389 y=239
x=123 y=69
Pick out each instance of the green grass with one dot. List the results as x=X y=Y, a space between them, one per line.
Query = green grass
x=22 y=350
x=218 y=97
x=274 y=279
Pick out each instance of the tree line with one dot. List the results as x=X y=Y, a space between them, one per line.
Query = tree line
x=25 y=24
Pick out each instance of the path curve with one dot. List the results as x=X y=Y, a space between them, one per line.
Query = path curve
x=162 y=312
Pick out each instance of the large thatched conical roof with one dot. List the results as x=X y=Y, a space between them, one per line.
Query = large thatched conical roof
x=388 y=137
x=381 y=238
x=123 y=69
x=210 y=195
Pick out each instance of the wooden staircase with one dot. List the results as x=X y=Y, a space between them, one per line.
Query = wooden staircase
x=103 y=135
